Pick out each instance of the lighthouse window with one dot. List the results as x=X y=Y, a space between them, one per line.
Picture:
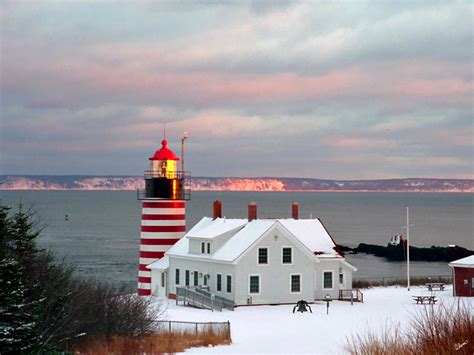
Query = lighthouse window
x=176 y=276
x=209 y=248
x=203 y=247
x=187 y=277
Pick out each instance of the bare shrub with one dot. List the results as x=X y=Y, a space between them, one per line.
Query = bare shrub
x=442 y=330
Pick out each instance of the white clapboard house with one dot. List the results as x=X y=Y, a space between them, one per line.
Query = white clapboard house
x=254 y=261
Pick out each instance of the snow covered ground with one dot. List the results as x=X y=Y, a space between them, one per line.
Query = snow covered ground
x=275 y=329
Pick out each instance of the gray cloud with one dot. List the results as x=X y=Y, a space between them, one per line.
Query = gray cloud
x=330 y=90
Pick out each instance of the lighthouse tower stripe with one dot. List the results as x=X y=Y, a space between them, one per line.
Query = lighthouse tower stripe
x=163 y=224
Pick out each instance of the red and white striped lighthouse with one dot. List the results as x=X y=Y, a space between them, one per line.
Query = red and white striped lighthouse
x=163 y=210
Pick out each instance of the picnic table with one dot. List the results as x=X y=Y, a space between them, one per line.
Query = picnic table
x=422 y=299
x=433 y=285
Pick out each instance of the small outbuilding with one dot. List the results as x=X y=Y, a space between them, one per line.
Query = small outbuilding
x=463 y=276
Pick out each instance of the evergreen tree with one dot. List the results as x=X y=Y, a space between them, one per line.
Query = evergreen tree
x=5 y=232
x=23 y=237
x=18 y=333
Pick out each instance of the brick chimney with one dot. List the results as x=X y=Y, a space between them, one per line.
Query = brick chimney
x=217 y=212
x=252 y=211
x=294 y=210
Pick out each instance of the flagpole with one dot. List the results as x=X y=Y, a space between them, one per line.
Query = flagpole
x=408 y=248
x=407 y=226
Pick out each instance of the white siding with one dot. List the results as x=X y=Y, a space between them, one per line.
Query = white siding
x=275 y=276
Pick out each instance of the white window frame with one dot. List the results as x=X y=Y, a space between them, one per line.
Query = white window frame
x=258 y=255
x=332 y=279
x=177 y=272
x=343 y=279
x=259 y=285
x=281 y=255
x=301 y=284
x=217 y=287
x=226 y=283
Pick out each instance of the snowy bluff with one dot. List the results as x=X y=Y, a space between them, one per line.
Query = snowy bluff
x=81 y=182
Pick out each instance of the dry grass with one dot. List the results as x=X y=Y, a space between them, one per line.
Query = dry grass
x=156 y=343
x=414 y=281
x=434 y=330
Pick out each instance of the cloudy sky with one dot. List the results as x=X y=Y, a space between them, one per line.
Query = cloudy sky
x=264 y=88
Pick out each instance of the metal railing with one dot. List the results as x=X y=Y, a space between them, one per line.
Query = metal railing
x=180 y=194
x=227 y=304
x=400 y=280
x=355 y=295
x=179 y=175
x=202 y=299
x=194 y=327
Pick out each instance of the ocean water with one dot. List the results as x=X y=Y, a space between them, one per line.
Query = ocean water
x=101 y=237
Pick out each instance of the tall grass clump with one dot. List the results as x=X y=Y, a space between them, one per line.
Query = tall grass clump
x=155 y=343
x=439 y=330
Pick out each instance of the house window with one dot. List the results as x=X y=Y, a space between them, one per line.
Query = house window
x=196 y=275
x=203 y=247
x=176 y=276
x=186 y=278
x=254 y=284
x=262 y=255
x=163 y=279
x=295 y=283
x=229 y=284
x=286 y=256
x=327 y=280
x=209 y=248
x=205 y=279
x=219 y=282
x=341 y=278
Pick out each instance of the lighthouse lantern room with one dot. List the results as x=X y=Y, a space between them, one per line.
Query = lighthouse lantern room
x=163 y=220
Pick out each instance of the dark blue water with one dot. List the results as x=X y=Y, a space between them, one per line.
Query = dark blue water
x=102 y=234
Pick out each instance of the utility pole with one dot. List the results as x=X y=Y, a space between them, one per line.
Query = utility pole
x=408 y=225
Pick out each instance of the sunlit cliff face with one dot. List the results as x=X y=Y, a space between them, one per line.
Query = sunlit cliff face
x=237 y=184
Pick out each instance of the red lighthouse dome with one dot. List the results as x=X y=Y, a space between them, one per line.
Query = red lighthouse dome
x=164 y=153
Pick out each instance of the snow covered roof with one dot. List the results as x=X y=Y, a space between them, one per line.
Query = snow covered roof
x=161 y=264
x=311 y=233
x=464 y=262
x=242 y=240
x=214 y=228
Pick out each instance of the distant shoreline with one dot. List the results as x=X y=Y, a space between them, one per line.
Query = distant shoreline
x=236 y=184
x=214 y=190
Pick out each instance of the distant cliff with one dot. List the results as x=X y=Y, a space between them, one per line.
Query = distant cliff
x=77 y=182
